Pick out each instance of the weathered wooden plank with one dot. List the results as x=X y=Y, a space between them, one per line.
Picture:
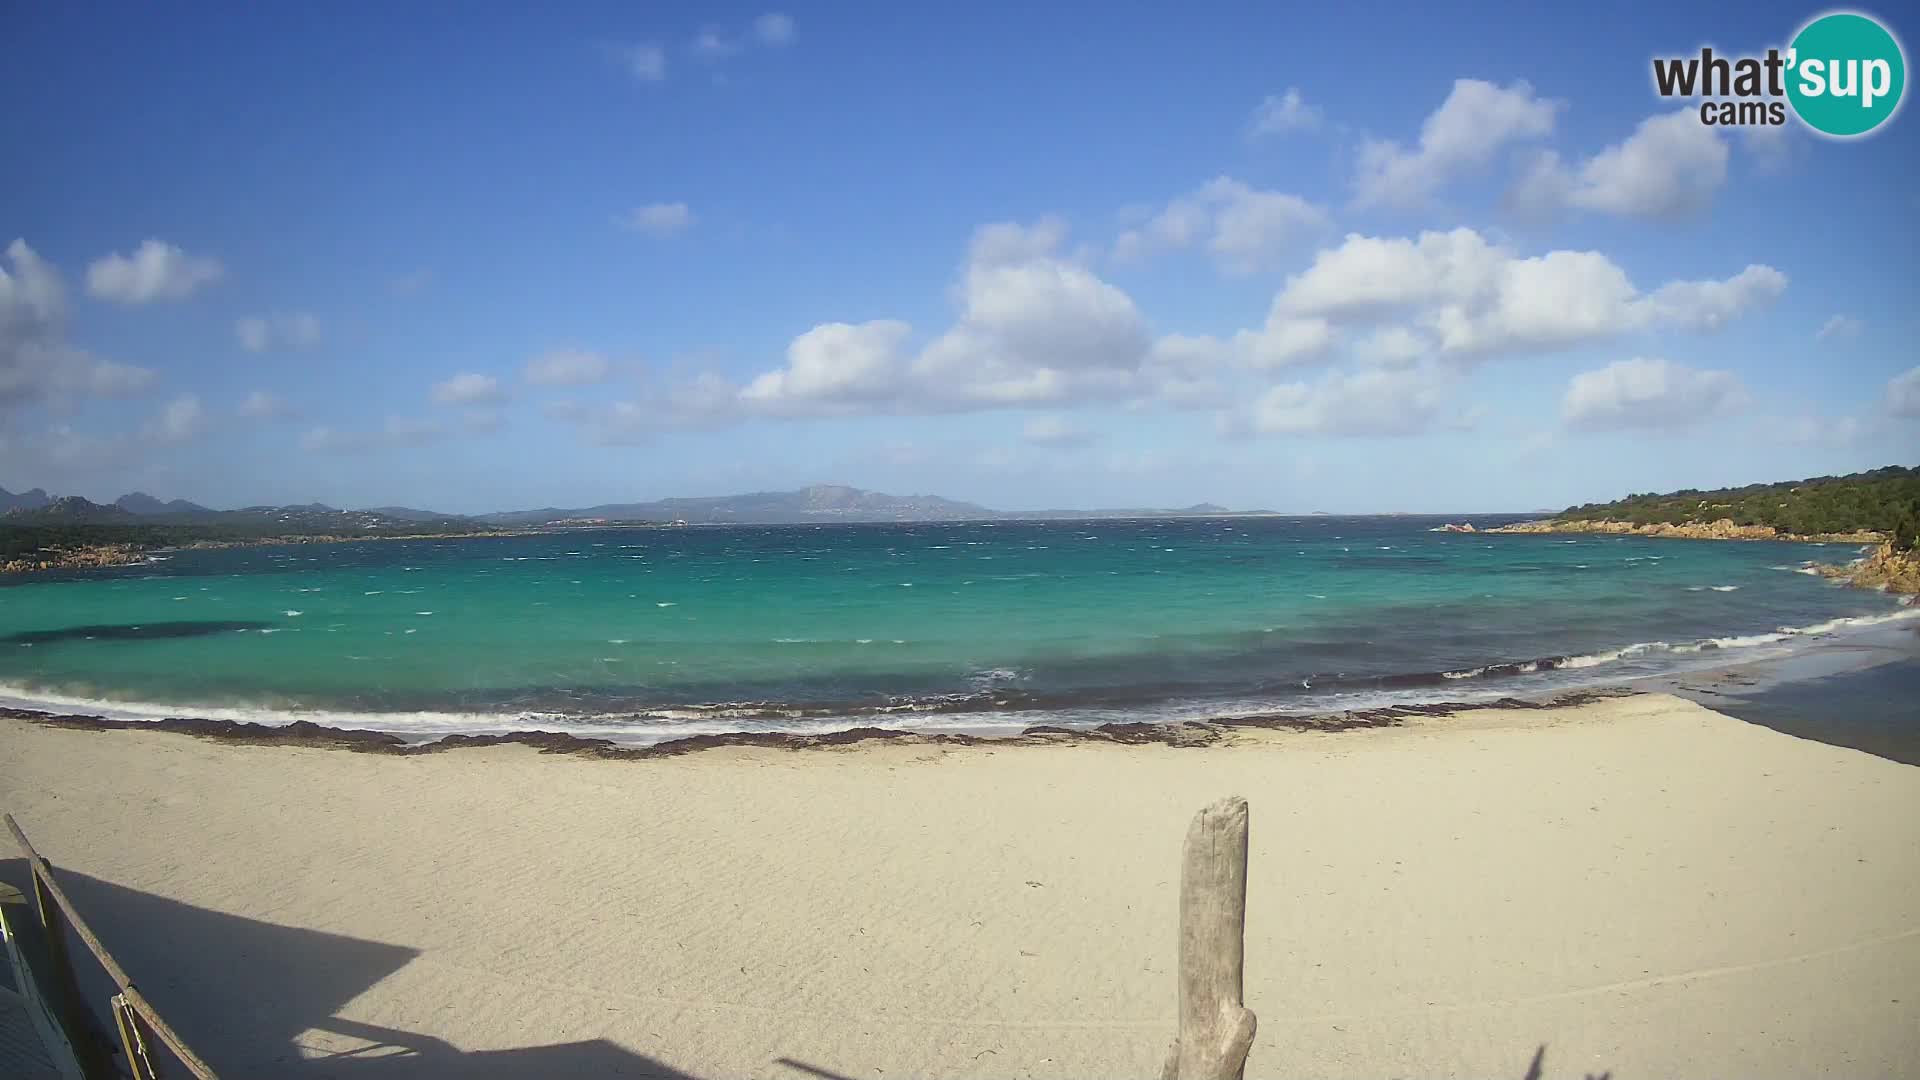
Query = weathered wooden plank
x=1216 y=1029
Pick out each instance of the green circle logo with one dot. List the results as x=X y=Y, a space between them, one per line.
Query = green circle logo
x=1845 y=74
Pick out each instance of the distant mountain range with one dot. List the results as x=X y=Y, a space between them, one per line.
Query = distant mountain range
x=821 y=502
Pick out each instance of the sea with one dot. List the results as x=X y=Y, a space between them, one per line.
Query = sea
x=647 y=634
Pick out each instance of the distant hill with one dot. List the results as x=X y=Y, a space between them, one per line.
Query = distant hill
x=408 y=513
x=25 y=500
x=1885 y=500
x=821 y=502
x=139 y=502
x=68 y=510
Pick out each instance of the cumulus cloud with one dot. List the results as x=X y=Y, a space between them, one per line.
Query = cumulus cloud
x=835 y=366
x=1903 y=394
x=1035 y=327
x=261 y=405
x=658 y=219
x=398 y=431
x=566 y=367
x=36 y=362
x=1476 y=299
x=1392 y=346
x=1372 y=402
x=1052 y=430
x=1671 y=166
x=1243 y=228
x=1648 y=393
x=181 y=420
x=774 y=29
x=1281 y=114
x=1475 y=122
x=155 y=271
x=711 y=44
x=1815 y=431
x=408 y=284
x=1840 y=328
x=294 y=330
x=468 y=388
x=645 y=61
x=1710 y=305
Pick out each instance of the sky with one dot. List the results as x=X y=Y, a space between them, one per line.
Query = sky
x=1344 y=258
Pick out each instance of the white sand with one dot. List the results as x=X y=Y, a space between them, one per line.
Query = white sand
x=1641 y=885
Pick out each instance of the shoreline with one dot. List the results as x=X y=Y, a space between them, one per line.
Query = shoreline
x=1543 y=682
x=1723 y=529
x=101 y=556
x=1885 y=569
x=1192 y=733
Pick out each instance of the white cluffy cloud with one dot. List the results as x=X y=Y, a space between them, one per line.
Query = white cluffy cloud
x=398 y=431
x=1840 y=328
x=155 y=271
x=1903 y=394
x=1035 y=327
x=1372 y=402
x=566 y=367
x=1476 y=121
x=645 y=61
x=658 y=219
x=295 y=330
x=1649 y=393
x=262 y=405
x=1243 y=228
x=1671 y=166
x=36 y=362
x=469 y=388
x=774 y=29
x=1052 y=430
x=1281 y=114
x=1474 y=299
x=180 y=421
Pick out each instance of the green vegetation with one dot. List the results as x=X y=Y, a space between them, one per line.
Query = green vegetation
x=39 y=540
x=1885 y=501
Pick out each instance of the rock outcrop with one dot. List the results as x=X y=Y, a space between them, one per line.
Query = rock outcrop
x=1887 y=569
x=1723 y=529
x=76 y=559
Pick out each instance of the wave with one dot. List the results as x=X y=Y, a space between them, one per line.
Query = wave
x=995 y=702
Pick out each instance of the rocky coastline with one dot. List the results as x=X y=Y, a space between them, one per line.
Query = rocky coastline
x=1884 y=568
x=1723 y=529
x=95 y=556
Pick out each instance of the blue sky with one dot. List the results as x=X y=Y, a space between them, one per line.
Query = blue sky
x=1351 y=259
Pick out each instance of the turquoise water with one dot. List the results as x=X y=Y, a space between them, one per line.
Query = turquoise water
x=646 y=634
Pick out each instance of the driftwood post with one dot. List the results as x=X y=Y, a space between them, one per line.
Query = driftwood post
x=1216 y=1029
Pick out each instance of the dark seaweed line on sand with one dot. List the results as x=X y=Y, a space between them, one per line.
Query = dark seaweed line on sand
x=1187 y=734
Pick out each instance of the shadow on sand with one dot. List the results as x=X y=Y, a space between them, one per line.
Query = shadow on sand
x=248 y=995
x=257 y=999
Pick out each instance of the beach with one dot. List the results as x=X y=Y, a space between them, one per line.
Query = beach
x=1639 y=885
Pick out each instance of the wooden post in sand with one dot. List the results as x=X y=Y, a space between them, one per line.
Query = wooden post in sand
x=1216 y=1030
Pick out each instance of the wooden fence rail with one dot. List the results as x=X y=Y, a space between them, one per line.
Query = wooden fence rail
x=139 y=1024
